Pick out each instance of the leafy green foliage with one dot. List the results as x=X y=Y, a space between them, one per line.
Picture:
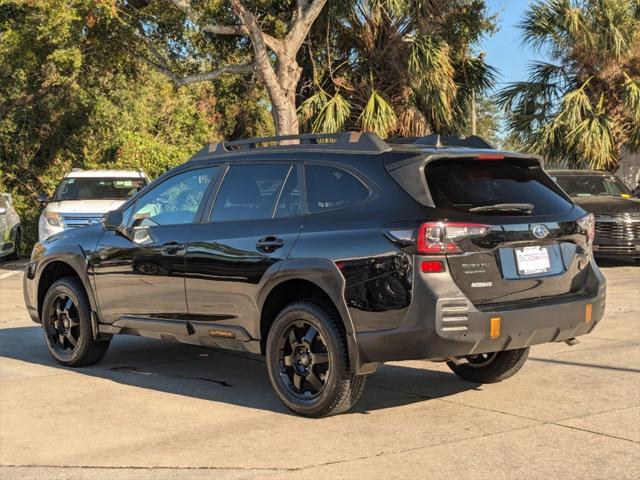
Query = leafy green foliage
x=396 y=67
x=582 y=108
x=72 y=95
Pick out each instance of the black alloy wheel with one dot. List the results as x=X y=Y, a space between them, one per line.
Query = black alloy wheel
x=304 y=360
x=491 y=367
x=64 y=324
x=308 y=361
x=480 y=360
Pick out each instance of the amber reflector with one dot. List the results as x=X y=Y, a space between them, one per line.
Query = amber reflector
x=587 y=313
x=494 y=327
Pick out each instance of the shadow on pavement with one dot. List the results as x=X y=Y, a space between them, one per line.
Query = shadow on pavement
x=582 y=364
x=216 y=375
x=609 y=262
x=14 y=265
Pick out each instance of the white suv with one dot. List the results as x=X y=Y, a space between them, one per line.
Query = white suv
x=84 y=196
x=9 y=228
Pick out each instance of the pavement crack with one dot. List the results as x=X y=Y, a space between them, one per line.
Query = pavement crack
x=137 y=467
x=412 y=449
x=594 y=432
x=615 y=340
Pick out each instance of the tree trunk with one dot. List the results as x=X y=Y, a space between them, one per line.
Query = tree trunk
x=280 y=80
x=283 y=99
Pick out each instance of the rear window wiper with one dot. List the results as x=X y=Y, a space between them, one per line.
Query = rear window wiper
x=525 y=208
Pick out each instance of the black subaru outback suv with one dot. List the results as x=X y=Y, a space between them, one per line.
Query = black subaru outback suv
x=330 y=256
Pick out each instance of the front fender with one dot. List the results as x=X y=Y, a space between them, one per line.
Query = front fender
x=45 y=260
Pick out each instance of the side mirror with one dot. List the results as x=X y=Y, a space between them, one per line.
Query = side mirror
x=112 y=220
x=43 y=198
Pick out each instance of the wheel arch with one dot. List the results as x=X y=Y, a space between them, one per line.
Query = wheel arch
x=304 y=278
x=66 y=266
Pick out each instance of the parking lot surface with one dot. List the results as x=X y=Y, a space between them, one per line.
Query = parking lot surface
x=161 y=410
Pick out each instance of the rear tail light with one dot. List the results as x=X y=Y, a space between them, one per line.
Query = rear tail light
x=445 y=237
x=588 y=226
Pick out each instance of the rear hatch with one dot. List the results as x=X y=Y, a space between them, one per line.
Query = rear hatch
x=507 y=232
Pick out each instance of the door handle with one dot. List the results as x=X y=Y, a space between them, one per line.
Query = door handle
x=172 y=248
x=269 y=244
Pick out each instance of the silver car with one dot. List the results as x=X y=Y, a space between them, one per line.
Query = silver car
x=9 y=228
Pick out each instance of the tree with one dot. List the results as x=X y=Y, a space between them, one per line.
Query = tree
x=583 y=107
x=180 y=46
x=395 y=67
x=44 y=47
x=73 y=96
x=488 y=122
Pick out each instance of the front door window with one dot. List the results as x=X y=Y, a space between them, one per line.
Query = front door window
x=175 y=201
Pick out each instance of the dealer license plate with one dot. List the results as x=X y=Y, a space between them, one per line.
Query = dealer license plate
x=532 y=260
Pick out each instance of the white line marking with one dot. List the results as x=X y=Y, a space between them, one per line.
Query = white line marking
x=8 y=274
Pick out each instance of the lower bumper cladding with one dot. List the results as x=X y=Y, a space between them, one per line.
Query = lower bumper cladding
x=462 y=329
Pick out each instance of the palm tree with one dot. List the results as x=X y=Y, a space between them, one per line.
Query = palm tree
x=583 y=106
x=395 y=67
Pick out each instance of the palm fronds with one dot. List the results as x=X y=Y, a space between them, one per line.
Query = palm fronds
x=397 y=67
x=378 y=116
x=321 y=113
x=584 y=106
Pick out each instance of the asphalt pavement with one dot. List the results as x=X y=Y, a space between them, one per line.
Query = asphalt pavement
x=156 y=410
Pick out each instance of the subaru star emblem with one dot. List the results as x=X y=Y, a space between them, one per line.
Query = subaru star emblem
x=540 y=231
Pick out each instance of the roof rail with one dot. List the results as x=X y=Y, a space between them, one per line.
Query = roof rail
x=438 y=141
x=77 y=169
x=355 y=141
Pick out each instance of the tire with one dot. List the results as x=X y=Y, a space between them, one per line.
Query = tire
x=64 y=324
x=491 y=367
x=305 y=335
x=15 y=255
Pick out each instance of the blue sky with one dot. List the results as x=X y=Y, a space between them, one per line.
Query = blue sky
x=504 y=50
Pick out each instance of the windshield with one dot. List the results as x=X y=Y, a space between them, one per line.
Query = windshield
x=98 y=188
x=592 y=186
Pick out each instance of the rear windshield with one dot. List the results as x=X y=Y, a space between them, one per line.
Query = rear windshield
x=463 y=184
x=592 y=186
x=86 y=188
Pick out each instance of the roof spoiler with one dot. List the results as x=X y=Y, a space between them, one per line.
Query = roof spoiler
x=436 y=140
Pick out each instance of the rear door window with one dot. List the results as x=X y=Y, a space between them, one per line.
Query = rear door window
x=249 y=192
x=331 y=187
x=462 y=184
x=290 y=201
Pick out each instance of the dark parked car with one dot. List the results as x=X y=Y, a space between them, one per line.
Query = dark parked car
x=330 y=257
x=617 y=212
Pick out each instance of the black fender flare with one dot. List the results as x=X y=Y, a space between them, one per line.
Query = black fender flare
x=325 y=275
x=73 y=256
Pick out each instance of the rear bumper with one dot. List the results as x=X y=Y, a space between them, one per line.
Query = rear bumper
x=443 y=323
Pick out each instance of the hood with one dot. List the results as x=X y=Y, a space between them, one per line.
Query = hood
x=608 y=205
x=87 y=238
x=84 y=206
